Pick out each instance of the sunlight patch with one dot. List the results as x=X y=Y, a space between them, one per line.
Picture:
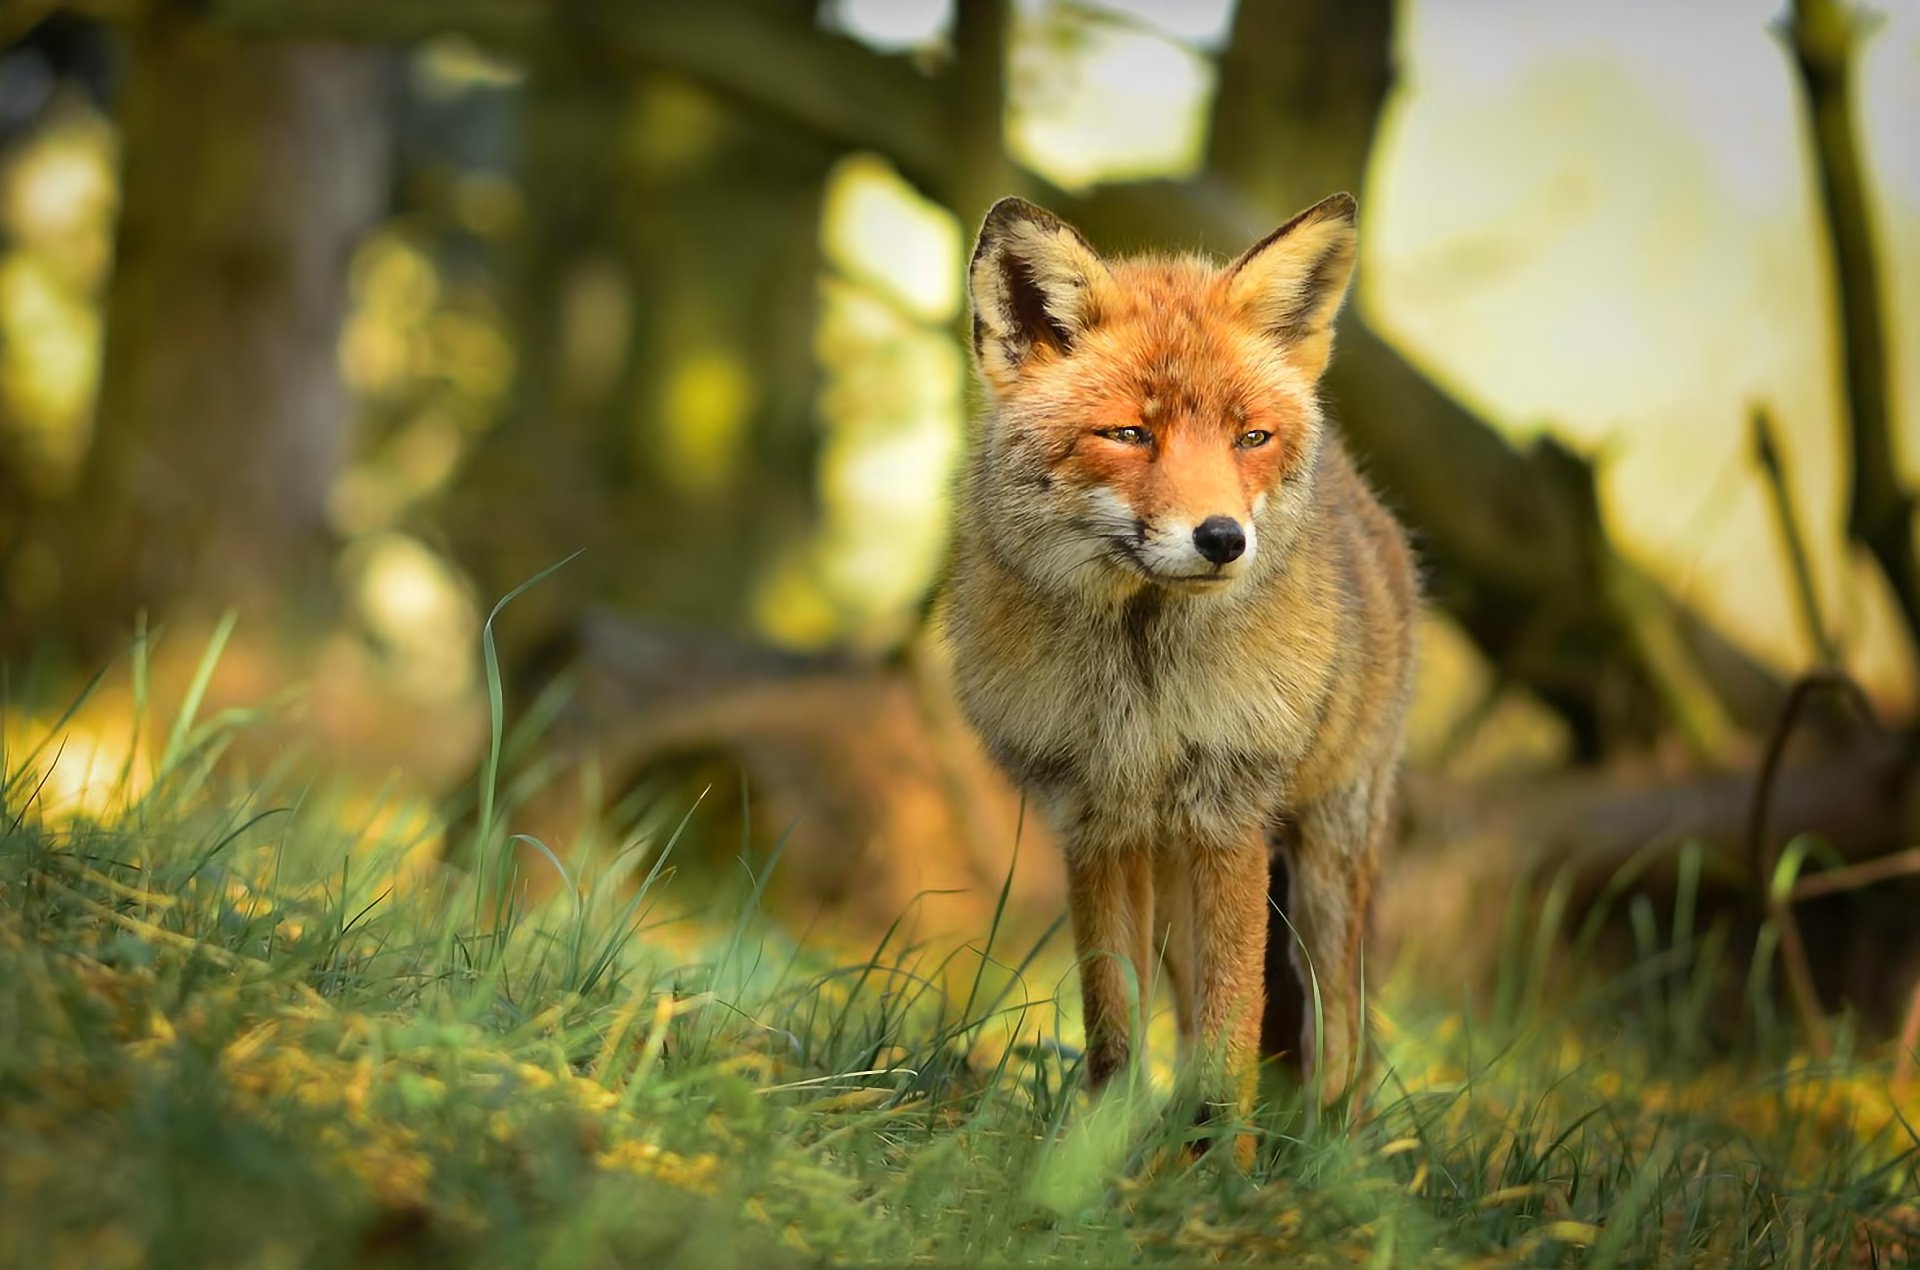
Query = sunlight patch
x=1095 y=100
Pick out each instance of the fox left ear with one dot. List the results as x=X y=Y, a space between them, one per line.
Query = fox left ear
x=1036 y=286
x=1291 y=283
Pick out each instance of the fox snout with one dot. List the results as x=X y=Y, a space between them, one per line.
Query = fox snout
x=1220 y=539
x=1176 y=551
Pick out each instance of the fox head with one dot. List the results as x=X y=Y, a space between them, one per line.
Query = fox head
x=1151 y=421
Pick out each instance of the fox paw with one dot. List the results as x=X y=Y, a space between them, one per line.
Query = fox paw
x=1215 y=1121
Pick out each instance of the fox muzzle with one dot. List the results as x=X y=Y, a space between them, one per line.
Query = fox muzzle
x=1219 y=539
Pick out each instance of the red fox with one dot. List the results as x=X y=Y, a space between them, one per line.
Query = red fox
x=1180 y=620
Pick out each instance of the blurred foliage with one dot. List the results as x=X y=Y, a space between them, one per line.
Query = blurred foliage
x=819 y=442
x=57 y=214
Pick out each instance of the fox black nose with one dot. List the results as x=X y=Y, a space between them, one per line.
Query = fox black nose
x=1220 y=539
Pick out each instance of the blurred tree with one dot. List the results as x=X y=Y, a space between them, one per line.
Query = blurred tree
x=1882 y=516
x=664 y=408
x=1521 y=557
x=1515 y=536
x=249 y=170
x=17 y=510
x=50 y=62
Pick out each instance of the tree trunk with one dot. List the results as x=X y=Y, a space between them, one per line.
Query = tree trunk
x=249 y=171
x=1299 y=98
x=663 y=417
x=1514 y=541
x=1824 y=36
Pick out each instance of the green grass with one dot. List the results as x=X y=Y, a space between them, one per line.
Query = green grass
x=244 y=1021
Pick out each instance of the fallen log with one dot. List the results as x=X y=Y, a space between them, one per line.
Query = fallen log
x=890 y=808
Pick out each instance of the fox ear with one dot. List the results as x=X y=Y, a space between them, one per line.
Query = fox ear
x=1034 y=284
x=1290 y=284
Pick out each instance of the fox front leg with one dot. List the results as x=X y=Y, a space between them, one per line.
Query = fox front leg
x=1332 y=870
x=1110 y=894
x=1229 y=916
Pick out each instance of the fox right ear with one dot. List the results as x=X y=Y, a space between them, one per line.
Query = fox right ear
x=1035 y=286
x=1290 y=284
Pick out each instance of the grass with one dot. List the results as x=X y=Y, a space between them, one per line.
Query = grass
x=251 y=1021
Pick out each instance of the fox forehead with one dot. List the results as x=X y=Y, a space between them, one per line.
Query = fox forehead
x=1168 y=352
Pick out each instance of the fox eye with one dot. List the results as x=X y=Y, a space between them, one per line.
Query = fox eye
x=1127 y=436
x=1254 y=440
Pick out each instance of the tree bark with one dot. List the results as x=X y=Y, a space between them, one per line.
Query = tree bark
x=249 y=171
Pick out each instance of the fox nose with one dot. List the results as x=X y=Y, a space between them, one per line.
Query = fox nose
x=1220 y=539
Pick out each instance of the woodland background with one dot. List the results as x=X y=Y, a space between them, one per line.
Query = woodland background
x=349 y=317
x=668 y=913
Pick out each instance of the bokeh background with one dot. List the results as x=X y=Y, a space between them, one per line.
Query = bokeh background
x=349 y=317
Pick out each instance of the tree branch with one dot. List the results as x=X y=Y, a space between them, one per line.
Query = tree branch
x=16 y=23
x=1823 y=35
x=1766 y=449
x=767 y=55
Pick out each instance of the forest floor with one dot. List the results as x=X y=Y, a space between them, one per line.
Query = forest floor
x=257 y=1023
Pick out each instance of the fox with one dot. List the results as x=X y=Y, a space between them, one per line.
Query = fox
x=1182 y=623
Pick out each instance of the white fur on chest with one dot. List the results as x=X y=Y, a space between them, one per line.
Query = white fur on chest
x=1164 y=728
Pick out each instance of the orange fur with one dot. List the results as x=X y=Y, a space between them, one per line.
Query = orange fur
x=1169 y=699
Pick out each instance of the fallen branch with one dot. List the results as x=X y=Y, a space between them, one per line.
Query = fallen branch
x=1763 y=860
x=1766 y=449
x=1854 y=876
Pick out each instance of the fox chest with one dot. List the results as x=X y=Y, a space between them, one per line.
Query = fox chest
x=1130 y=735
